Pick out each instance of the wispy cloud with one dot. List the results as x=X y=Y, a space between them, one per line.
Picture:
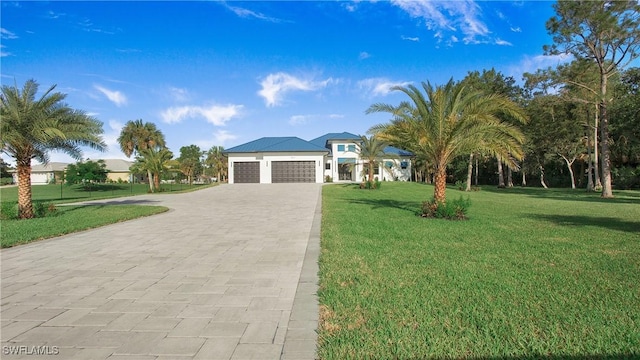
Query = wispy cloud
x=529 y=64
x=221 y=137
x=178 y=94
x=217 y=115
x=408 y=38
x=516 y=29
x=379 y=86
x=114 y=96
x=364 y=55
x=128 y=51
x=503 y=42
x=275 y=86
x=448 y=16
x=246 y=13
x=7 y=35
x=4 y=53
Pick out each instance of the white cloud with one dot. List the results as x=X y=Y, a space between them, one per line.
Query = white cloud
x=179 y=94
x=4 y=53
x=408 y=38
x=503 y=42
x=364 y=55
x=214 y=114
x=246 y=13
x=116 y=97
x=274 y=86
x=448 y=16
x=220 y=137
x=379 y=86
x=7 y=35
x=529 y=64
x=516 y=29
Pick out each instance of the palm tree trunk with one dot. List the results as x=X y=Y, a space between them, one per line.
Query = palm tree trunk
x=156 y=180
x=469 y=173
x=500 y=174
x=25 y=207
x=371 y=174
x=476 y=171
x=524 y=178
x=150 y=180
x=509 y=177
x=440 y=184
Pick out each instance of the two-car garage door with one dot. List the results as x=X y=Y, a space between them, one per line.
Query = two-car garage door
x=293 y=171
x=281 y=172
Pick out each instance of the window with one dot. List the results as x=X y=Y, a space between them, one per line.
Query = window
x=327 y=166
x=352 y=148
x=388 y=164
x=404 y=164
x=340 y=147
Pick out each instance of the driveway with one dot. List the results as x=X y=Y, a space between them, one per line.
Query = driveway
x=222 y=275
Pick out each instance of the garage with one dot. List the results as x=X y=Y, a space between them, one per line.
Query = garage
x=246 y=172
x=293 y=171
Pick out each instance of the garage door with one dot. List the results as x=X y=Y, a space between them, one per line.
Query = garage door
x=293 y=171
x=39 y=179
x=246 y=172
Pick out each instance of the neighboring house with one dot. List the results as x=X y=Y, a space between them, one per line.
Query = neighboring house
x=291 y=159
x=118 y=169
x=53 y=172
x=44 y=174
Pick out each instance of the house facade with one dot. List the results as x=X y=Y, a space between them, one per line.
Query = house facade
x=291 y=159
x=53 y=172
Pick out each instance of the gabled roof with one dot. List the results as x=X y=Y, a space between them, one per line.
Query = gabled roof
x=277 y=144
x=116 y=165
x=322 y=140
x=49 y=167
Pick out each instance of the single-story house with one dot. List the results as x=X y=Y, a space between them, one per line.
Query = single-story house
x=53 y=172
x=43 y=174
x=291 y=159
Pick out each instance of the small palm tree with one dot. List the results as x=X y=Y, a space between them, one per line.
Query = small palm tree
x=447 y=121
x=372 y=153
x=31 y=128
x=136 y=136
x=217 y=161
x=154 y=160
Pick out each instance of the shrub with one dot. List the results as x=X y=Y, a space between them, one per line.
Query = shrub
x=6 y=181
x=370 y=185
x=626 y=177
x=328 y=179
x=452 y=210
x=8 y=210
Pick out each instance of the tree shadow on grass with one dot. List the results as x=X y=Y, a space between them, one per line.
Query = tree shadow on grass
x=604 y=222
x=410 y=206
x=127 y=201
x=621 y=197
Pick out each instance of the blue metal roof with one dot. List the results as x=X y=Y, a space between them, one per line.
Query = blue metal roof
x=322 y=140
x=396 y=151
x=277 y=144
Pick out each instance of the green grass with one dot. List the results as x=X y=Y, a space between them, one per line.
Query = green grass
x=68 y=219
x=532 y=273
x=65 y=194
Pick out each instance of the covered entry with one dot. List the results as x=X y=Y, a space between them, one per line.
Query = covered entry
x=293 y=171
x=246 y=172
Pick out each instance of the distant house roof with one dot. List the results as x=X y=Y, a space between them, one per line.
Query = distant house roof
x=396 y=151
x=277 y=144
x=52 y=166
x=324 y=139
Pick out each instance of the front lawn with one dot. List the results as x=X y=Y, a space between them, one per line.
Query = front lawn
x=532 y=273
x=68 y=219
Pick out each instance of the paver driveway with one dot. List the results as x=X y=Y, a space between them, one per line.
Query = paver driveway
x=214 y=278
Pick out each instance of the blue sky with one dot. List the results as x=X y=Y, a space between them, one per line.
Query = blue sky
x=225 y=73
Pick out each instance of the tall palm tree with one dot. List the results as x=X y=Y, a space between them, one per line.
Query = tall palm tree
x=217 y=161
x=447 y=121
x=31 y=128
x=136 y=136
x=372 y=152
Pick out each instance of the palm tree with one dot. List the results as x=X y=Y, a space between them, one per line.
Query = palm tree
x=136 y=136
x=449 y=122
x=372 y=152
x=31 y=128
x=217 y=161
x=154 y=160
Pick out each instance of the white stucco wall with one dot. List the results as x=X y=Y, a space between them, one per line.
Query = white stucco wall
x=265 y=160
